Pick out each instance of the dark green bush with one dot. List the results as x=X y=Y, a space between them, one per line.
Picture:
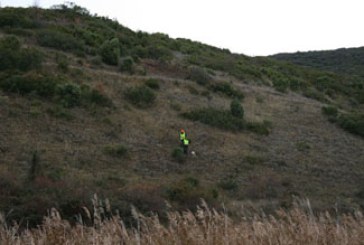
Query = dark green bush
x=141 y=96
x=118 y=150
x=178 y=155
x=60 y=40
x=44 y=86
x=353 y=123
x=236 y=109
x=12 y=56
x=262 y=128
x=127 y=65
x=110 y=51
x=159 y=52
x=227 y=89
x=69 y=95
x=188 y=193
x=216 y=118
x=228 y=185
x=14 y=18
x=152 y=83
x=330 y=111
x=93 y=96
x=199 y=75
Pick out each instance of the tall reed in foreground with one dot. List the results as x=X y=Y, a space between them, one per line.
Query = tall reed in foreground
x=205 y=226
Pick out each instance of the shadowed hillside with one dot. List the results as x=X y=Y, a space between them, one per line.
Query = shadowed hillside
x=89 y=106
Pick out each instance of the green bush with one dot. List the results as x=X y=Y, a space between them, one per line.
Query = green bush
x=236 y=109
x=159 y=52
x=141 y=96
x=199 y=75
x=227 y=89
x=118 y=150
x=93 y=96
x=353 y=123
x=330 y=111
x=152 y=83
x=262 y=128
x=60 y=40
x=12 y=56
x=178 y=155
x=216 y=118
x=110 y=51
x=44 y=86
x=188 y=193
x=69 y=95
x=228 y=185
x=127 y=65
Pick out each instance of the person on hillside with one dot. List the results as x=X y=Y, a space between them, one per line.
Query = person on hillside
x=182 y=136
x=186 y=142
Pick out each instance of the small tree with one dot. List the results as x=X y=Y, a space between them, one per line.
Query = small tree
x=236 y=109
x=110 y=51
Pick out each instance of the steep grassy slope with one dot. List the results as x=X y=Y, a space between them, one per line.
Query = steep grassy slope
x=71 y=126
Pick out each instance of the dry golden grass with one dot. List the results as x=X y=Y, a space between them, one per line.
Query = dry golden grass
x=205 y=226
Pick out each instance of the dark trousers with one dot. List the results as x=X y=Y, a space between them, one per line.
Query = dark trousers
x=185 y=149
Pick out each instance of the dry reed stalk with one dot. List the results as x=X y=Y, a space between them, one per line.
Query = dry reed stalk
x=205 y=226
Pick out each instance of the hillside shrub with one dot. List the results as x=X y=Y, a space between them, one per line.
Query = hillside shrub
x=69 y=95
x=140 y=96
x=117 y=150
x=152 y=83
x=159 y=52
x=331 y=112
x=12 y=56
x=44 y=86
x=262 y=128
x=127 y=65
x=94 y=96
x=216 y=118
x=178 y=155
x=110 y=51
x=188 y=192
x=15 y=19
x=199 y=75
x=60 y=40
x=236 y=109
x=353 y=123
x=226 y=89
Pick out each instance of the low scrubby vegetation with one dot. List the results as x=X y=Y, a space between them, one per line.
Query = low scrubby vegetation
x=140 y=96
x=352 y=122
x=232 y=120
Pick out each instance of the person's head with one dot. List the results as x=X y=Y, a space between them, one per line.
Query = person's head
x=182 y=130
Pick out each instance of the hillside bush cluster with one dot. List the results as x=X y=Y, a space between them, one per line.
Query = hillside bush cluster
x=56 y=88
x=14 y=57
x=141 y=96
x=351 y=122
x=226 y=89
x=232 y=120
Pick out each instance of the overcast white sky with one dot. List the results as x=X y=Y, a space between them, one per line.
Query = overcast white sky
x=251 y=27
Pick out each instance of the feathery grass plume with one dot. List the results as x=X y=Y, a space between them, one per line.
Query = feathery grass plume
x=205 y=226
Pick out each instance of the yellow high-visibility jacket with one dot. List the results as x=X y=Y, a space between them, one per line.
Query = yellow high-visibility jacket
x=182 y=136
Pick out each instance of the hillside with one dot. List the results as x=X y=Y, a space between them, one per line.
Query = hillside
x=347 y=61
x=88 y=106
